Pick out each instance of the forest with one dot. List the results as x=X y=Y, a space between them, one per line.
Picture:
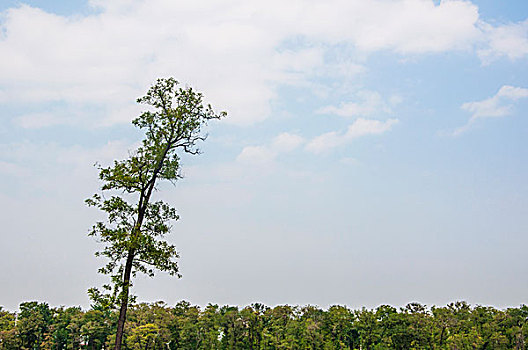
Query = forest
x=457 y=325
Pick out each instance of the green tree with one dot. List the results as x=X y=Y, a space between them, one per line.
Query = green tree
x=33 y=324
x=341 y=329
x=368 y=328
x=234 y=329
x=157 y=314
x=515 y=325
x=145 y=337
x=66 y=333
x=133 y=234
x=280 y=330
x=252 y=317
x=185 y=328
x=210 y=324
x=95 y=329
x=310 y=322
x=8 y=333
x=7 y=320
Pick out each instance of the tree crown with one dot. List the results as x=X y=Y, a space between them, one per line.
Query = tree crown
x=173 y=123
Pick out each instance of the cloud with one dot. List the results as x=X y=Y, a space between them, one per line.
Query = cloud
x=370 y=102
x=234 y=51
x=256 y=155
x=34 y=170
x=19 y=154
x=360 y=127
x=509 y=40
x=499 y=105
x=406 y=26
x=283 y=143
x=109 y=59
x=286 y=142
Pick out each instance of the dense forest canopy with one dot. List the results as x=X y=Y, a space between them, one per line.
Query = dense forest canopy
x=185 y=326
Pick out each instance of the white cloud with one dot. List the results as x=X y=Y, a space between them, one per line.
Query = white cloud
x=110 y=59
x=22 y=153
x=286 y=142
x=256 y=155
x=406 y=26
x=282 y=143
x=499 y=105
x=360 y=127
x=370 y=102
x=510 y=40
x=343 y=68
x=229 y=49
x=294 y=64
x=37 y=170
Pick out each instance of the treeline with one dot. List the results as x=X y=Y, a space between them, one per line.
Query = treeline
x=184 y=326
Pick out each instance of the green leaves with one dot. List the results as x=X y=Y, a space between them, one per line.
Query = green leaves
x=121 y=234
x=133 y=234
x=186 y=326
x=177 y=120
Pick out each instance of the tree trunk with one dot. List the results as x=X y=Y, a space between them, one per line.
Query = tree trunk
x=124 y=300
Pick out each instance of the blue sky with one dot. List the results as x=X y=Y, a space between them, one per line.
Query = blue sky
x=375 y=151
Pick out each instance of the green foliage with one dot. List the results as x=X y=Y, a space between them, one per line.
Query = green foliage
x=157 y=326
x=65 y=331
x=136 y=229
x=133 y=234
x=33 y=324
x=7 y=320
x=96 y=327
x=8 y=335
x=144 y=337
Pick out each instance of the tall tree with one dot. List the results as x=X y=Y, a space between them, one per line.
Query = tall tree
x=33 y=324
x=134 y=231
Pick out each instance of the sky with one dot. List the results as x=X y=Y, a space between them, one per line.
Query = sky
x=375 y=152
